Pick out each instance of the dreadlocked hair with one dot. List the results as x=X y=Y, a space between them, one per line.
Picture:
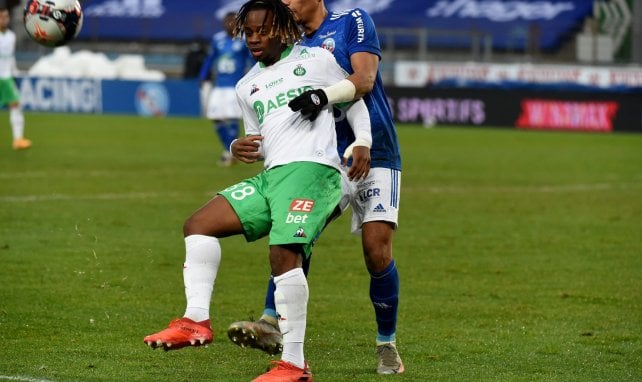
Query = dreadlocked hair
x=283 y=25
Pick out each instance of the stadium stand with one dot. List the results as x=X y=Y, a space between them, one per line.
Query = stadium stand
x=565 y=49
x=435 y=30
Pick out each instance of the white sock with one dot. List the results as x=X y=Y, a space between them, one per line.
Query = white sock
x=17 y=120
x=202 y=259
x=291 y=300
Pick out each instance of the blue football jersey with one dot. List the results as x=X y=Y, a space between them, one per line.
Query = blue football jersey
x=343 y=34
x=231 y=57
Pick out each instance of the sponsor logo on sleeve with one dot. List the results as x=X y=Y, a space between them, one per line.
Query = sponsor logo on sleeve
x=361 y=30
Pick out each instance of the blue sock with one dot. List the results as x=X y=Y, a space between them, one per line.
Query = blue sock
x=232 y=132
x=384 y=294
x=270 y=307
x=227 y=131
x=221 y=130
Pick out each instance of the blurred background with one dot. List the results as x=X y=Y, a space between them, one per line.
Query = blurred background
x=560 y=64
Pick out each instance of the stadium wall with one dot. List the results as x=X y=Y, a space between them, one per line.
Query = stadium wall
x=87 y=95
x=553 y=107
x=518 y=108
x=556 y=97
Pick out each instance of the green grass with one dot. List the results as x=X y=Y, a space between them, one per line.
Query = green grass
x=519 y=252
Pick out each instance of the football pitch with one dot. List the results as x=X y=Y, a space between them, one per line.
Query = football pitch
x=519 y=252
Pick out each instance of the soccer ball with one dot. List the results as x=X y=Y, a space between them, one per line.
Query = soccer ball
x=53 y=22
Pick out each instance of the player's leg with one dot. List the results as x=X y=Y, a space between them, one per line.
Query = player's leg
x=224 y=112
x=376 y=239
x=375 y=212
x=264 y=334
x=202 y=259
x=10 y=96
x=227 y=131
x=233 y=114
x=233 y=129
x=220 y=217
x=301 y=205
x=269 y=310
x=216 y=219
x=291 y=297
x=384 y=292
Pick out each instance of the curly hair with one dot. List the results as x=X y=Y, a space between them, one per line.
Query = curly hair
x=284 y=27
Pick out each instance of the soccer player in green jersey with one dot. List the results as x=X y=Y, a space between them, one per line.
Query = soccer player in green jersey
x=9 y=94
x=290 y=201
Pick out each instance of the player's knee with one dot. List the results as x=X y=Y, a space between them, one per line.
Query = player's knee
x=194 y=226
x=377 y=245
x=188 y=227
x=377 y=255
x=284 y=258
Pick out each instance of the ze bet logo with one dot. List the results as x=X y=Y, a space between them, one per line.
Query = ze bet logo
x=297 y=206
x=302 y=205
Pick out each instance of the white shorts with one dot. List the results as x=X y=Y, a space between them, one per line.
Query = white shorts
x=222 y=104
x=375 y=198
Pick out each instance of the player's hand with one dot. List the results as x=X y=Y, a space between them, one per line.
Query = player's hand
x=310 y=103
x=246 y=149
x=360 y=167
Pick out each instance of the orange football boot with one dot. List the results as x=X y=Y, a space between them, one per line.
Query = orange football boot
x=21 y=144
x=181 y=332
x=285 y=372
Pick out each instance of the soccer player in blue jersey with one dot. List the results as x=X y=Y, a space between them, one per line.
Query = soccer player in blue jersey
x=351 y=36
x=230 y=59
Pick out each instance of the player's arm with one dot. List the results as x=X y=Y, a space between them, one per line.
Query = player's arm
x=359 y=119
x=311 y=102
x=365 y=66
x=207 y=64
x=247 y=149
x=341 y=90
x=362 y=44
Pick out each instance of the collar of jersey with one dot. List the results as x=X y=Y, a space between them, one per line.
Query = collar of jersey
x=284 y=54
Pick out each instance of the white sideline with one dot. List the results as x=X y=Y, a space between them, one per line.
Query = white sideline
x=21 y=378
